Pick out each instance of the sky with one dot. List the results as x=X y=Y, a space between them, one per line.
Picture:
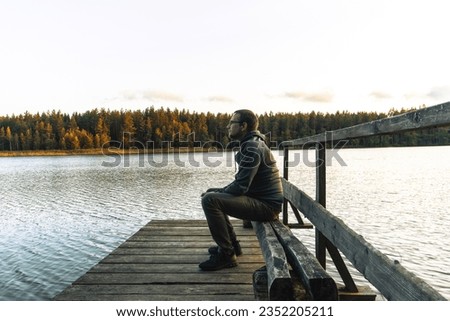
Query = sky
x=219 y=56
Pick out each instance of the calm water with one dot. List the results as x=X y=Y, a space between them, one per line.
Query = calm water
x=60 y=215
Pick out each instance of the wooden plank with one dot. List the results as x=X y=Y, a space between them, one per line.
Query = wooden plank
x=159 y=292
x=167 y=244
x=168 y=259
x=392 y=280
x=158 y=297
x=434 y=116
x=176 y=222
x=193 y=223
x=163 y=278
x=186 y=268
x=160 y=262
x=172 y=244
x=175 y=251
x=315 y=279
x=164 y=231
x=148 y=238
x=178 y=289
x=278 y=278
x=186 y=230
x=364 y=293
x=188 y=223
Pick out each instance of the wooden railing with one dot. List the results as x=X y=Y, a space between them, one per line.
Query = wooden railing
x=392 y=280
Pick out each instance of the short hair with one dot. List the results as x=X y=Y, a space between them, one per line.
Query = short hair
x=249 y=117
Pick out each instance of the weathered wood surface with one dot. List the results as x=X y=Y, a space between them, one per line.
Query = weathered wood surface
x=316 y=281
x=160 y=262
x=392 y=280
x=438 y=115
x=279 y=283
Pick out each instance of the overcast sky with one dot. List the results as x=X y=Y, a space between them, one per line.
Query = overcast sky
x=218 y=56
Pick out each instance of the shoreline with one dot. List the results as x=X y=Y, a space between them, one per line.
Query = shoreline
x=106 y=151
x=135 y=151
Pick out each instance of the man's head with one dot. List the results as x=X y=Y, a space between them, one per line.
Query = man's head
x=242 y=122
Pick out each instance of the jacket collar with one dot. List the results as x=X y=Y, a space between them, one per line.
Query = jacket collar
x=253 y=133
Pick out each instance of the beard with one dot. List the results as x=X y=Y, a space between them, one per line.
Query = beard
x=237 y=136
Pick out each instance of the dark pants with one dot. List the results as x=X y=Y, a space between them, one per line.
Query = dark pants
x=217 y=208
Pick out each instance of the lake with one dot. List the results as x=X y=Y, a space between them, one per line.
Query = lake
x=60 y=215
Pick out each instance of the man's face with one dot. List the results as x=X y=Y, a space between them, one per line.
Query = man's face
x=235 y=128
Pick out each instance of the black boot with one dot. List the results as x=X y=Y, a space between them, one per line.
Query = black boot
x=219 y=261
x=236 y=247
x=247 y=224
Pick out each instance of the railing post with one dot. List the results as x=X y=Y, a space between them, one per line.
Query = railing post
x=321 y=198
x=286 y=177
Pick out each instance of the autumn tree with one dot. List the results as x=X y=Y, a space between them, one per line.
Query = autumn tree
x=102 y=138
x=128 y=131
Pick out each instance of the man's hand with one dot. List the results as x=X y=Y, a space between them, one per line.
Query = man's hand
x=212 y=190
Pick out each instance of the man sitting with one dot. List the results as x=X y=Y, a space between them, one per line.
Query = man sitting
x=255 y=194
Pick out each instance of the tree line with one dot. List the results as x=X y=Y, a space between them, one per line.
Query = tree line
x=163 y=127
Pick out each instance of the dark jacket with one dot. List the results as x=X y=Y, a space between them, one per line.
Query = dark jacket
x=258 y=174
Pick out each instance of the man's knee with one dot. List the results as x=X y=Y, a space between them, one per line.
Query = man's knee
x=209 y=199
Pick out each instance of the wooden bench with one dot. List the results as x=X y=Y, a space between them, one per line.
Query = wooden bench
x=291 y=272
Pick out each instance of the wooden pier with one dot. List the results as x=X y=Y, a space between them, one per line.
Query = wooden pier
x=160 y=262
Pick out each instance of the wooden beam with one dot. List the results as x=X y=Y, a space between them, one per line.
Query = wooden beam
x=286 y=177
x=389 y=277
x=317 y=282
x=434 y=116
x=350 y=285
x=279 y=281
x=321 y=198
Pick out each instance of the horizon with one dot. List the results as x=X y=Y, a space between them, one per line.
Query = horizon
x=209 y=56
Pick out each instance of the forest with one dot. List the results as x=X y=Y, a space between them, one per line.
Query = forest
x=154 y=128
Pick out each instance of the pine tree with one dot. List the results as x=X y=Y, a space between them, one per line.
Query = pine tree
x=128 y=130
x=101 y=134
